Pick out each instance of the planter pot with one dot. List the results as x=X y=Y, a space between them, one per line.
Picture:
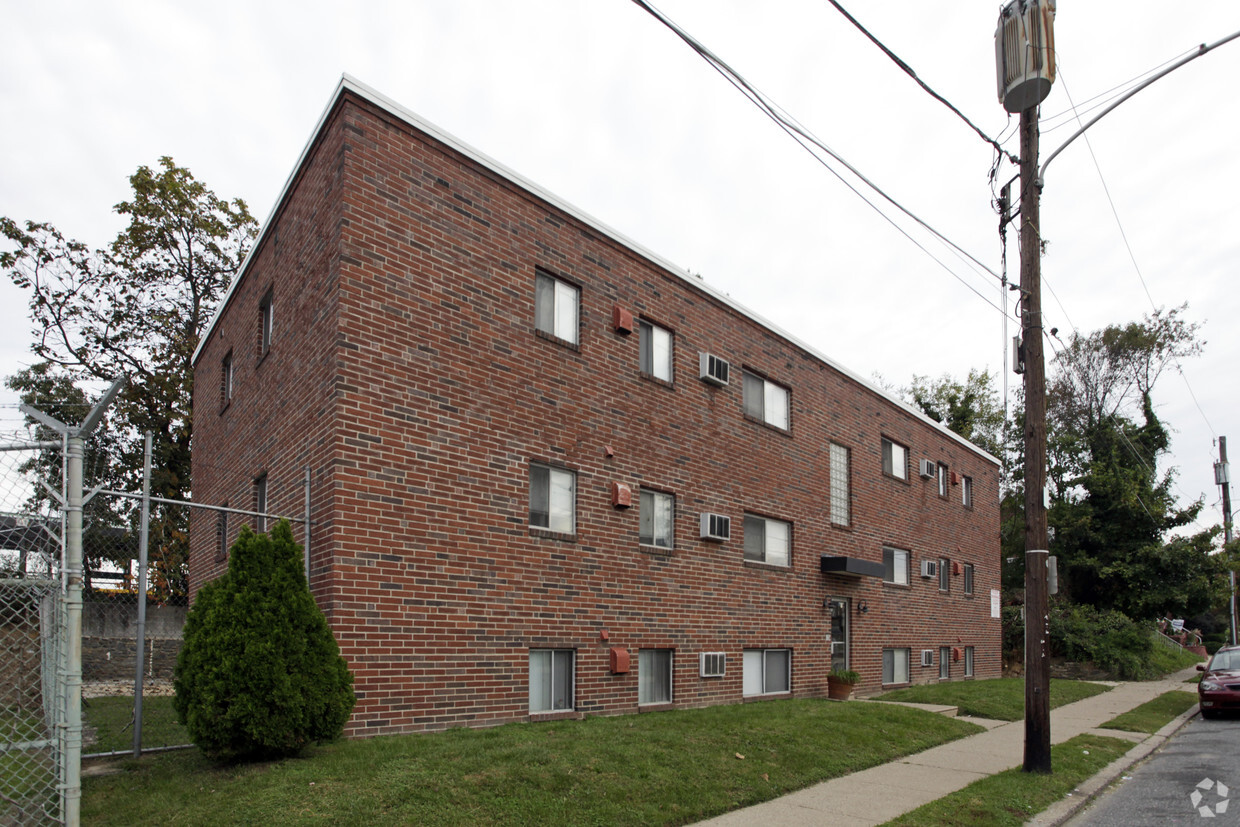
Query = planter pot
x=839 y=690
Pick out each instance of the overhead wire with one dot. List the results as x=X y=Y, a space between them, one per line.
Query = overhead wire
x=909 y=70
x=808 y=141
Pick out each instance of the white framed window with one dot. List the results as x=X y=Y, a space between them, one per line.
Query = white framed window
x=895 y=666
x=942 y=475
x=654 y=676
x=556 y=307
x=656 y=350
x=968 y=578
x=553 y=498
x=968 y=661
x=765 y=400
x=945 y=574
x=551 y=679
x=766 y=671
x=895 y=459
x=841 y=495
x=767 y=540
x=945 y=662
x=895 y=566
x=966 y=491
x=266 y=323
x=260 y=502
x=226 y=379
x=657 y=519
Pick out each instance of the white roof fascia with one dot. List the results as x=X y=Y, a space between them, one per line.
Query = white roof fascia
x=351 y=84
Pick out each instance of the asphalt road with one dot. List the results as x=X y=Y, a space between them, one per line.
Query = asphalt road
x=1198 y=759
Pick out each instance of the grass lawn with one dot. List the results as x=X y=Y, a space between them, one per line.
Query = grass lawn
x=671 y=767
x=1153 y=715
x=112 y=720
x=1000 y=699
x=1013 y=796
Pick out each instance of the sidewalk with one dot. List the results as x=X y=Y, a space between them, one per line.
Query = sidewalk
x=881 y=793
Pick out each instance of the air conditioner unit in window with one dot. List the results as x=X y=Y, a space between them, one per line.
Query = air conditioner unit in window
x=712 y=664
x=927 y=469
x=929 y=568
x=712 y=369
x=716 y=527
x=927 y=657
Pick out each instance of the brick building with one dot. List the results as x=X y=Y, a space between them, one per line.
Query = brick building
x=551 y=473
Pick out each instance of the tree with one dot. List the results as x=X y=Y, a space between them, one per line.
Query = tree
x=971 y=408
x=259 y=674
x=137 y=308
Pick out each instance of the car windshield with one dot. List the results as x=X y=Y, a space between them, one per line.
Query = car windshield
x=1226 y=660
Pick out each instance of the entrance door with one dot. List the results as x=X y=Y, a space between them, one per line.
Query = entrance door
x=839 y=633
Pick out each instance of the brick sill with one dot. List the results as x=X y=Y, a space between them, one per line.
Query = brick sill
x=758 y=564
x=548 y=534
x=773 y=428
x=659 y=707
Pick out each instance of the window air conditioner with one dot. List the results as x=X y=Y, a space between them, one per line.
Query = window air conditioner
x=929 y=568
x=712 y=664
x=927 y=469
x=927 y=657
x=712 y=369
x=716 y=527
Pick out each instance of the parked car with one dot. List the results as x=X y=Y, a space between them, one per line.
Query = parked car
x=1219 y=690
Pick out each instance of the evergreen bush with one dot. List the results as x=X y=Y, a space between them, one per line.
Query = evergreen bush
x=260 y=675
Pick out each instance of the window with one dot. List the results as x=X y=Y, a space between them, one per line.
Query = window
x=654 y=676
x=968 y=661
x=945 y=574
x=895 y=666
x=766 y=671
x=968 y=578
x=658 y=516
x=942 y=473
x=966 y=491
x=841 y=505
x=552 y=497
x=895 y=459
x=226 y=380
x=766 y=401
x=656 y=350
x=266 y=318
x=551 y=680
x=556 y=307
x=221 y=534
x=767 y=540
x=945 y=662
x=260 y=502
x=895 y=566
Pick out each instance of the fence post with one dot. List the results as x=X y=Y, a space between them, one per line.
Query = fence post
x=71 y=796
x=140 y=648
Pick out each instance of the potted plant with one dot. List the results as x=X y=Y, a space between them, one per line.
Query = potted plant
x=840 y=683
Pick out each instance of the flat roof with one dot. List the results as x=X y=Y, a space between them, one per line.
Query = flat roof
x=349 y=84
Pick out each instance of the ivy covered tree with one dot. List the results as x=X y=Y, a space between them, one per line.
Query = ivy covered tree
x=136 y=307
x=259 y=675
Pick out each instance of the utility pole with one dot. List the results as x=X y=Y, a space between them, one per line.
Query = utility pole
x=1025 y=60
x=1037 y=607
x=1222 y=476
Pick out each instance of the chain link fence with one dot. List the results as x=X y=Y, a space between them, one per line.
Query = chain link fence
x=32 y=652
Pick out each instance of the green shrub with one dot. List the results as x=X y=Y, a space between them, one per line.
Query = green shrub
x=259 y=675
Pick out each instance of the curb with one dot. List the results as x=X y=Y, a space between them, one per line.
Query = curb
x=1059 y=812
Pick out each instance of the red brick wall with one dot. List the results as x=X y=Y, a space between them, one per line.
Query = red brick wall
x=411 y=380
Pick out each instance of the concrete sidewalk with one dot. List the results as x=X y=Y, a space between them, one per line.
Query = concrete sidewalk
x=881 y=793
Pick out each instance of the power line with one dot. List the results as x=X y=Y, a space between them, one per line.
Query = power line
x=909 y=70
x=809 y=141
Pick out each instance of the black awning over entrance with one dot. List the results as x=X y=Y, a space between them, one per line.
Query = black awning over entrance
x=851 y=566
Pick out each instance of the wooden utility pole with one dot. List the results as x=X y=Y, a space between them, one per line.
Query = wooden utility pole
x=1222 y=477
x=1037 y=625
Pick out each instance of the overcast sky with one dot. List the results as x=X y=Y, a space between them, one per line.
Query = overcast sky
x=603 y=106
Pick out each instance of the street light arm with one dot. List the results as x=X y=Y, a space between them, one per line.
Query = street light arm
x=1201 y=50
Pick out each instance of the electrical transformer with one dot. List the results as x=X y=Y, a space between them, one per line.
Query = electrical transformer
x=1025 y=53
